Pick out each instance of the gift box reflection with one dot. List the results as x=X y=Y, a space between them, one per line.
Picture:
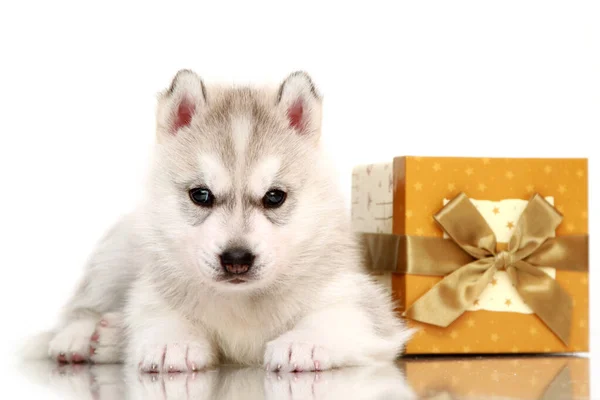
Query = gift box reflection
x=515 y=378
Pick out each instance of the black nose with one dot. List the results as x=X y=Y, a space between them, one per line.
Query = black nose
x=237 y=260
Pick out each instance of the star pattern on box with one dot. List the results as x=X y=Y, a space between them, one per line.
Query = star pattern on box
x=562 y=189
x=533 y=331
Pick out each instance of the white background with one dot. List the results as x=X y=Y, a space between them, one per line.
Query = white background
x=77 y=93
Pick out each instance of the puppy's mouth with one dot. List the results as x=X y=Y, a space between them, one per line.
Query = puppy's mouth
x=236 y=280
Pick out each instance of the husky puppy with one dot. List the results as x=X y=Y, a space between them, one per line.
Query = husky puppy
x=240 y=252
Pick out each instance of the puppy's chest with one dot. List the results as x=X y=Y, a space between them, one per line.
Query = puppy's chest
x=242 y=334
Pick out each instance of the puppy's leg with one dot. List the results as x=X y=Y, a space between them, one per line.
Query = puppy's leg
x=161 y=339
x=107 y=341
x=335 y=337
x=102 y=290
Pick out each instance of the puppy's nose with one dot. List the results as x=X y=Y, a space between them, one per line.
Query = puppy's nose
x=237 y=260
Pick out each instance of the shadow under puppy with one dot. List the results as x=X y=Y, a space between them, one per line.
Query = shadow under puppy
x=240 y=251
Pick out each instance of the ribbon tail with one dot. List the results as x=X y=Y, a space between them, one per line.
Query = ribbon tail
x=449 y=298
x=548 y=300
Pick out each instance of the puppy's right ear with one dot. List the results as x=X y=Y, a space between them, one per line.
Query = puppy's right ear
x=178 y=105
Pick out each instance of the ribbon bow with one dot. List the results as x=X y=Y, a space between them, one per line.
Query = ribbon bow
x=530 y=247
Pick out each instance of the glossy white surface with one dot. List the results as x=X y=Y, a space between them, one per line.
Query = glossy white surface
x=439 y=378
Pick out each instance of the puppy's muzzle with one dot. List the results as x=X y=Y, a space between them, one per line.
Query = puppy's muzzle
x=237 y=261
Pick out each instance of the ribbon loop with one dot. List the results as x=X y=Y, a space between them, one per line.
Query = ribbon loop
x=537 y=223
x=467 y=227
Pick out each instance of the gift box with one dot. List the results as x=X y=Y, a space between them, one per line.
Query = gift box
x=482 y=255
x=506 y=378
x=373 y=207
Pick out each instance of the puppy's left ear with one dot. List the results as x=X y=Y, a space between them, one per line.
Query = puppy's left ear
x=300 y=102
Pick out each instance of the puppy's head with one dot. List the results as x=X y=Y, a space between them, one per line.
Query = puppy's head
x=237 y=185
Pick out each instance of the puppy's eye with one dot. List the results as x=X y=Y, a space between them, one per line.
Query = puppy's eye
x=202 y=197
x=274 y=198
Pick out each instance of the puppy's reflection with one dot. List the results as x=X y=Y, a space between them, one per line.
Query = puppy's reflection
x=103 y=382
x=78 y=381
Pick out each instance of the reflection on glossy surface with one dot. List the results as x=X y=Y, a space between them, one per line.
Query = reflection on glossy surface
x=519 y=377
x=103 y=382
x=416 y=378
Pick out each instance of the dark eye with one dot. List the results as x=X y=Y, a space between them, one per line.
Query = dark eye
x=202 y=197
x=274 y=198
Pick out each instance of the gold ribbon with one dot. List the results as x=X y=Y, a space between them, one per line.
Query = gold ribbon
x=470 y=259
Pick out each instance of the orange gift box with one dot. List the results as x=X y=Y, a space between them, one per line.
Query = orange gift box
x=514 y=378
x=505 y=317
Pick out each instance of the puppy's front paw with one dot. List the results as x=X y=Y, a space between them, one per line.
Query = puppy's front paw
x=107 y=340
x=71 y=344
x=175 y=357
x=289 y=354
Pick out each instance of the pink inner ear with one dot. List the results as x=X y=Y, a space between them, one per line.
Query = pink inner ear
x=295 y=114
x=185 y=111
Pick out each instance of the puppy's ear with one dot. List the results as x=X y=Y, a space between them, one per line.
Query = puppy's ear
x=177 y=106
x=300 y=102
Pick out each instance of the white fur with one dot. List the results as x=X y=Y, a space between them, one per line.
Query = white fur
x=152 y=295
x=242 y=128
x=263 y=175
x=215 y=172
